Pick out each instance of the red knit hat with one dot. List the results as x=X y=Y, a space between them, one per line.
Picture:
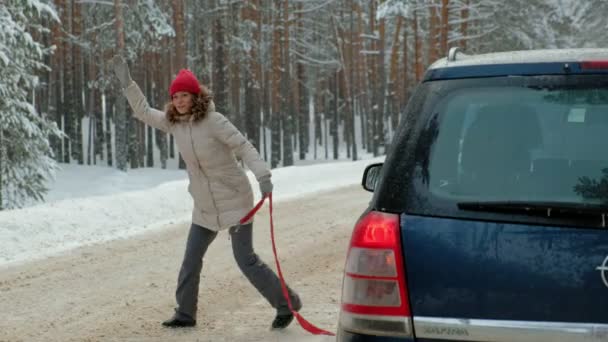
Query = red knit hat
x=185 y=81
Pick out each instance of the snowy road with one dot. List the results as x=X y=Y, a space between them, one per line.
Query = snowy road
x=122 y=290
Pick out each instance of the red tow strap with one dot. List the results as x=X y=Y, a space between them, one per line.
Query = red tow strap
x=311 y=328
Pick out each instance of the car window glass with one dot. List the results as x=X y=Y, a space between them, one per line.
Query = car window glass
x=521 y=142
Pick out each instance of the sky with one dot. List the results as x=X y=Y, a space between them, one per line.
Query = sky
x=89 y=204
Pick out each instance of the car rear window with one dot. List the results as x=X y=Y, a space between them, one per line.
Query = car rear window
x=522 y=138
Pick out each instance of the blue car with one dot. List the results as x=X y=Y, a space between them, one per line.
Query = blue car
x=489 y=219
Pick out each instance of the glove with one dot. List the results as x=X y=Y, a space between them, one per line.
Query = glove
x=265 y=185
x=121 y=69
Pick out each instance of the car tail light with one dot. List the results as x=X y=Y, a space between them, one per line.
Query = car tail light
x=594 y=65
x=374 y=293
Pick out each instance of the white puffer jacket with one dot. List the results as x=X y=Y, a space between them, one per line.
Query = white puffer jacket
x=218 y=185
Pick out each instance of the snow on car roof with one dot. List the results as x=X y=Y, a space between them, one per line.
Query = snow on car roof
x=458 y=58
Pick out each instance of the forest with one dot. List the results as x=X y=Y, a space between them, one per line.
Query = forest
x=302 y=79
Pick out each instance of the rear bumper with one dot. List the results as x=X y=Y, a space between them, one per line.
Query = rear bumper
x=346 y=336
x=458 y=329
x=445 y=329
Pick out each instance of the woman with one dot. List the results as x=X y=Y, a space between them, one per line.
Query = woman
x=222 y=195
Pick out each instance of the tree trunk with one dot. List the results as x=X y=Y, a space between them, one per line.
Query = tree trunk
x=220 y=76
x=162 y=84
x=180 y=61
x=287 y=107
x=266 y=108
x=267 y=75
x=361 y=93
x=319 y=106
x=55 y=98
x=235 y=68
x=140 y=126
x=79 y=86
x=42 y=105
x=276 y=87
x=372 y=76
x=326 y=126
x=133 y=125
x=336 y=116
x=345 y=98
x=344 y=82
x=433 y=40
x=445 y=25
x=464 y=24
x=303 y=97
x=303 y=111
x=68 y=87
x=92 y=99
x=152 y=99
x=149 y=147
x=251 y=14
x=120 y=121
x=100 y=138
x=351 y=91
x=180 y=38
x=405 y=75
x=417 y=49
x=151 y=71
x=381 y=90
x=393 y=86
x=111 y=99
x=95 y=103
x=165 y=80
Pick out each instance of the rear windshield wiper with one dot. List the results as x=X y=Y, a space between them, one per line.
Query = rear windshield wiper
x=548 y=209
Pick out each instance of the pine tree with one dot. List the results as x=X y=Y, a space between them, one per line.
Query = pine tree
x=26 y=163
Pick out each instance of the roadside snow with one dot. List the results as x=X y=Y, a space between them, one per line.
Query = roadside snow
x=88 y=205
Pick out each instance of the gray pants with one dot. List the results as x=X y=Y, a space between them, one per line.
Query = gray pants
x=258 y=273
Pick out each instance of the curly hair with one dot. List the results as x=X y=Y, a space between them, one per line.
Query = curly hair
x=200 y=106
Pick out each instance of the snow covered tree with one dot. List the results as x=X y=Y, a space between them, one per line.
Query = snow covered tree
x=26 y=163
x=86 y=39
x=538 y=24
x=352 y=63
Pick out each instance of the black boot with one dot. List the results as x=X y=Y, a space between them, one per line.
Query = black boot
x=179 y=322
x=282 y=321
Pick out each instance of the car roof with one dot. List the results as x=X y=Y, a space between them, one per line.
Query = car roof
x=458 y=65
x=456 y=58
